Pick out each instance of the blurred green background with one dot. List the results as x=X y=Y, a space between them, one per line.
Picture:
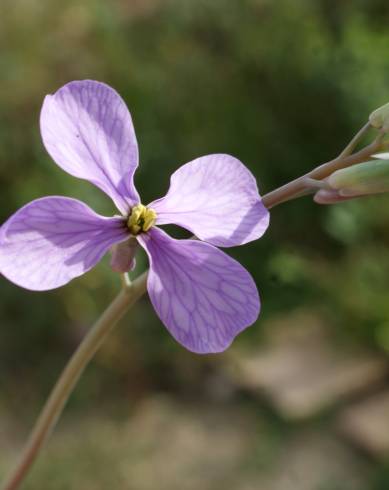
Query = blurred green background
x=282 y=85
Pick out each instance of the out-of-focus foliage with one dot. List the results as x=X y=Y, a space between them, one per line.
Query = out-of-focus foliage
x=282 y=85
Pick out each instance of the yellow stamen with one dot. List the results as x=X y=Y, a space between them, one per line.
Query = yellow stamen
x=141 y=219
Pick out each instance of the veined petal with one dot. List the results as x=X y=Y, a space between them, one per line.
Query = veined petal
x=51 y=240
x=203 y=296
x=216 y=198
x=88 y=131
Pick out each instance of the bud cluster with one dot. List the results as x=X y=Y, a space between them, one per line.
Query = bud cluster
x=362 y=179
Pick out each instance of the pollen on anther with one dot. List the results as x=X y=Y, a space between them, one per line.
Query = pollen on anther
x=141 y=219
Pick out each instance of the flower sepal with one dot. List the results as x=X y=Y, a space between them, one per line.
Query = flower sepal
x=379 y=118
x=364 y=178
x=123 y=256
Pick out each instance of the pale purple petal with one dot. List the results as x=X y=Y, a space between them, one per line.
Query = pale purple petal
x=51 y=240
x=216 y=198
x=203 y=296
x=88 y=131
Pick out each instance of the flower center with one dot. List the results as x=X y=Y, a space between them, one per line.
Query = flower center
x=141 y=219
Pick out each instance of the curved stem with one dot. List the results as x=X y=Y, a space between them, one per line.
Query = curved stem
x=297 y=187
x=70 y=375
x=126 y=281
x=353 y=143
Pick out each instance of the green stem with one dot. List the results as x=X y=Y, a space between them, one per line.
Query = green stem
x=69 y=377
x=297 y=187
x=357 y=138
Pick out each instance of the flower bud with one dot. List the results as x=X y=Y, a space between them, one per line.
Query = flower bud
x=329 y=196
x=380 y=118
x=361 y=179
x=382 y=156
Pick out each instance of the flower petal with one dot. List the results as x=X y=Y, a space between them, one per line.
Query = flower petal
x=51 y=240
x=203 y=296
x=88 y=131
x=216 y=198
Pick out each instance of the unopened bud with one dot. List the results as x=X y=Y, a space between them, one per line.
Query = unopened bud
x=380 y=118
x=382 y=156
x=329 y=196
x=361 y=179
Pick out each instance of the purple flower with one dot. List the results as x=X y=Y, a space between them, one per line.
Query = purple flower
x=204 y=297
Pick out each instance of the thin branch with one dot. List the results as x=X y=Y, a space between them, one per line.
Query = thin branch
x=298 y=186
x=126 y=281
x=357 y=138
